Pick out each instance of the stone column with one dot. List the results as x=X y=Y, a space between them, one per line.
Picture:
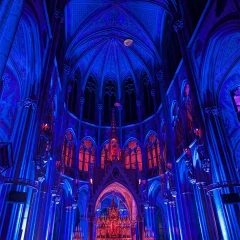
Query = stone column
x=90 y=227
x=78 y=136
x=19 y=175
x=171 y=150
x=173 y=221
x=82 y=100
x=141 y=227
x=133 y=231
x=205 y=213
x=224 y=174
x=100 y=107
x=144 y=162
x=120 y=125
x=157 y=123
x=69 y=90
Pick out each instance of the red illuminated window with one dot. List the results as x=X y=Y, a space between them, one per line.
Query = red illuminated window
x=68 y=150
x=104 y=154
x=86 y=155
x=153 y=151
x=133 y=156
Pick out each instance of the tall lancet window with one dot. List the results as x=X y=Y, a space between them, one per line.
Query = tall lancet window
x=86 y=154
x=104 y=154
x=153 y=151
x=148 y=99
x=73 y=100
x=133 y=156
x=68 y=149
x=236 y=98
x=110 y=90
x=90 y=96
x=130 y=101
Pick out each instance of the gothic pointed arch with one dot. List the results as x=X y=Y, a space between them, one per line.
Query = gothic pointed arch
x=87 y=154
x=119 y=188
x=129 y=93
x=147 y=96
x=132 y=154
x=104 y=153
x=73 y=93
x=109 y=98
x=68 y=149
x=153 y=150
x=90 y=99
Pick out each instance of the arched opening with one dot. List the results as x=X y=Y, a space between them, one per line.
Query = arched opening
x=115 y=213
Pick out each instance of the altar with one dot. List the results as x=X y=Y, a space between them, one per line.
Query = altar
x=113 y=226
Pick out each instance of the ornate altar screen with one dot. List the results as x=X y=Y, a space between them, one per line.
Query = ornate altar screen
x=113 y=223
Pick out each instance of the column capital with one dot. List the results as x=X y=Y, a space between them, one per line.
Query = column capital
x=215 y=111
x=69 y=88
x=59 y=15
x=68 y=208
x=201 y=185
x=160 y=75
x=66 y=69
x=178 y=25
x=27 y=102
x=206 y=164
x=100 y=106
x=82 y=100
x=139 y=103
x=153 y=92
x=120 y=108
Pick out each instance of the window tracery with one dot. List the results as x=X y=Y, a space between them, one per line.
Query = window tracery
x=90 y=97
x=104 y=154
x=153 y=151
x=133 y=156
x=148 y=100
x=86 y=154
x=109 y=99
x=68 y=149
x=130 y=100
x=72 y=100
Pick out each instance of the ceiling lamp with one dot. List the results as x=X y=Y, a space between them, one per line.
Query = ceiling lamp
x=117 y=104
x=128 y=42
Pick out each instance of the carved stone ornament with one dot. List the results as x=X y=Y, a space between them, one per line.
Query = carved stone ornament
x=206 y=164
x=189 y=166
x=178 y=25
x=66 y=69
x=215 y=111
x=27 y=102
x=100 y=106
x=160 y=75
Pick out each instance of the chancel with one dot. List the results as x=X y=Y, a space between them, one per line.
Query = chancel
x=119 y=119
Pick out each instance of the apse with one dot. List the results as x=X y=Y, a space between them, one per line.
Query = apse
x=119 y=119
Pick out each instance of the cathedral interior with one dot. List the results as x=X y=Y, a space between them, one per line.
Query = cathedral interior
x=119 y=119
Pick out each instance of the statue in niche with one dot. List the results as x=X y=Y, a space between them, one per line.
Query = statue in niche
x=187 y=105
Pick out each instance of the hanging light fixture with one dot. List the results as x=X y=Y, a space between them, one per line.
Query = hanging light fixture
x=128 y=42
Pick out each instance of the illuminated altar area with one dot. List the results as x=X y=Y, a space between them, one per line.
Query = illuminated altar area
x=113 y=222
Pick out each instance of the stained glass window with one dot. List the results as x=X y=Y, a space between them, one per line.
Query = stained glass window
x=86 y=154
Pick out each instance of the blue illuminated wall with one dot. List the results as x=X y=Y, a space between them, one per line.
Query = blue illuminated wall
x=174 y=85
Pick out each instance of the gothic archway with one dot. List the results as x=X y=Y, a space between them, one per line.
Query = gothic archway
x=117 y=190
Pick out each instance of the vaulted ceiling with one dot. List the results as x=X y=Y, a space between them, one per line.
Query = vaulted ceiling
x=95 y=31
